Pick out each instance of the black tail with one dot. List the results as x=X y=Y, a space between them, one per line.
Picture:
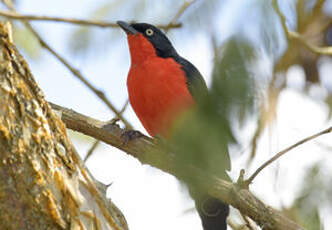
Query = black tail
x=213 y=212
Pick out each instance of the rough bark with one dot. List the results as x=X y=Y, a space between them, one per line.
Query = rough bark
x=43 y=184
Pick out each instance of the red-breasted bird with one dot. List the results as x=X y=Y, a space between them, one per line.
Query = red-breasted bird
x=161 y=86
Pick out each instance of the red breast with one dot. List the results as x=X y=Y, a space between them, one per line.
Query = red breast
x=157 y=87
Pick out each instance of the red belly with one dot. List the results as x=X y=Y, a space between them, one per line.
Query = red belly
x=158 y=93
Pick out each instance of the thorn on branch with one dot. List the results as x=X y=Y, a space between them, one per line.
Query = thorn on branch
x=100 y=93
x=241 y=183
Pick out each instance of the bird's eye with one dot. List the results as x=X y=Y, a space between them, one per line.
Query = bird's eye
x=149 y=32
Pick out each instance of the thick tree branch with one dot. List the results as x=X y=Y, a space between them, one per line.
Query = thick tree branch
x=146 y=151
x=75 y=21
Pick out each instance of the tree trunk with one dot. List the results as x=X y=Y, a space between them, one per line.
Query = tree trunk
x=43 y=184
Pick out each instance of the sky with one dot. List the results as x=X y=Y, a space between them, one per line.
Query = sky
x=149 y=198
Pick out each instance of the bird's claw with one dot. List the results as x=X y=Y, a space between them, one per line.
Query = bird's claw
x=130 y=135
x=109 y=125
x=113 y=121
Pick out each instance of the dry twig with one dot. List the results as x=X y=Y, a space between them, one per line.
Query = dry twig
x=91 y=150
x=182 y=9
x=82 y=22
x=275 y=157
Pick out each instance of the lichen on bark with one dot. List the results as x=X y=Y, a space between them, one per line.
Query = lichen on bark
x=43 y=184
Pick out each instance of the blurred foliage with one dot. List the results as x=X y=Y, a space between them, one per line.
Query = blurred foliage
x=202 y=15
x=201 y=138
x=26 y=41
x=269 y=31
x=314 y=195
x=233 y=87
x=82 y=38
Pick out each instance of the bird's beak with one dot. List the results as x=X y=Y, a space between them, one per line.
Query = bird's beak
x=127 y=28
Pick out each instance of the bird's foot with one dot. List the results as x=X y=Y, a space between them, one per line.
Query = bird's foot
x=130 y=135
x=113 y=121
x=109 y=125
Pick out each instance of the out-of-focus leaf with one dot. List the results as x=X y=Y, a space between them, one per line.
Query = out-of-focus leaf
x=271 y=35
x=202 y=14
x=104 y=10
x=27 y=41
x=202 y=137
x=83 y=38
x=80 y=40
x=328 y=101
x=233 y=86
x=315 y=194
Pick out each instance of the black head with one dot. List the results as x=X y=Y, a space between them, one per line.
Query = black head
x=157 y=38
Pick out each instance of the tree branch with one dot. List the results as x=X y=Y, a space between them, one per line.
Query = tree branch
x=147 y=151
x=91 y=150
x=75 y=21
x=279 y=154
x=182 y=9
x=291 y=35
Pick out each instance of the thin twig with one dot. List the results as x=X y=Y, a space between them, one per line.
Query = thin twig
x=182 y=9
x=124 y=107
x=72 y=69
x=91 y=150
x=275 y=157
x=82 y=22
x=291 y=35
x=281 y=16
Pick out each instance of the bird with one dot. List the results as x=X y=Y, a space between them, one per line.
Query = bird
x=162 y=86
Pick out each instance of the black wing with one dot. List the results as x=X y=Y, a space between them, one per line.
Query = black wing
x=196 y=84
x=198 y=89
